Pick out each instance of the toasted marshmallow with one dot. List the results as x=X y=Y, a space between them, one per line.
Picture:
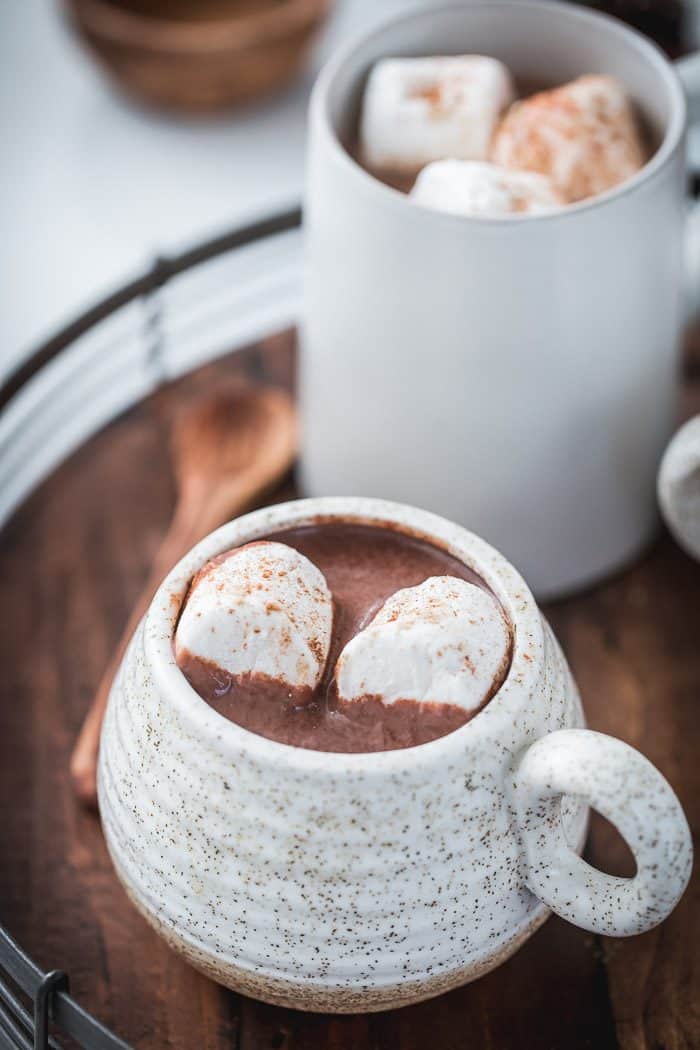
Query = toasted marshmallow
x=583 y=135
x=445 y=641
x=416 y=110
x=472 y=187
x=264 y=609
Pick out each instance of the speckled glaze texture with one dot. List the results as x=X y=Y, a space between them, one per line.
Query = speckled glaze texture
x=360 y=882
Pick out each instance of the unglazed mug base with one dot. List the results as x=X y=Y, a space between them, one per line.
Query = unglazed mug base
x=355 y=882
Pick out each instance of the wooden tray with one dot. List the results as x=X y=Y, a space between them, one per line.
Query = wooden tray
x=71 y=563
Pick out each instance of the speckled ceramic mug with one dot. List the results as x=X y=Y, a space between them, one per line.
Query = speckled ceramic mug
x=360 y=882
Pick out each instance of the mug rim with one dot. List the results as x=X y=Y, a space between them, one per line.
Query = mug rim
x=650 y=51
x=495 y=720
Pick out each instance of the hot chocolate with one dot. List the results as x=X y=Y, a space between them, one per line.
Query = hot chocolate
x=348 y=638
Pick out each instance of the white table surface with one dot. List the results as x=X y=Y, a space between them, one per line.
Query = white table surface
x=92 y=187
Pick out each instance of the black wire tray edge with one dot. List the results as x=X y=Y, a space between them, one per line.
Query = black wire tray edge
x=162 y=270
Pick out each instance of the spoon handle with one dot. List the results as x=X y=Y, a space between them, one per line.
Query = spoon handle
x=188 y=526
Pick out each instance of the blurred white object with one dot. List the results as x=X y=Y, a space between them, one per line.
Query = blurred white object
x=416 y=110
x=679 y=487
x=471 y=187
x=583 y=135
x=264 y=609
x=446 y=641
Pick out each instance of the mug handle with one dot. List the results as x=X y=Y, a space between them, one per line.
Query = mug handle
x=680 y=466
x=688 y=70
x=623 y=786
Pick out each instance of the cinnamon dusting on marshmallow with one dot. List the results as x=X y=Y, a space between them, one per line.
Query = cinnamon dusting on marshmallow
x=583 y=135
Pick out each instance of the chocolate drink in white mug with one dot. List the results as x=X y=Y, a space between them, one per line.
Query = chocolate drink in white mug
x=407 y=643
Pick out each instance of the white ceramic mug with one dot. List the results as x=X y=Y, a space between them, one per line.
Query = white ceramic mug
x=517 y=375
x=359 y=882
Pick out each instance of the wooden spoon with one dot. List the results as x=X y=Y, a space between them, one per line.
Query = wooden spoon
x=227 y=450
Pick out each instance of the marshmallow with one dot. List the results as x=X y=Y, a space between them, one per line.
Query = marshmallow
x=445 y=641
x=470 y=187
x=416 y=110
x=264 y=609
x=583 y=135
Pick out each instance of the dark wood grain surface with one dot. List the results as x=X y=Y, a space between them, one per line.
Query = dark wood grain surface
x=71 y=563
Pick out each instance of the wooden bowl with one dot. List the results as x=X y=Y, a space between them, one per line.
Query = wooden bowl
x=198 y=56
